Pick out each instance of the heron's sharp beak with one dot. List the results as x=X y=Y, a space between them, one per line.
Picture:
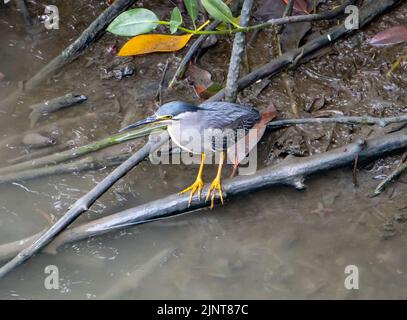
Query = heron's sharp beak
x=144 y=122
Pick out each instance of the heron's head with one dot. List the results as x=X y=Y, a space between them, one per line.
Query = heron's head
x=166 y=114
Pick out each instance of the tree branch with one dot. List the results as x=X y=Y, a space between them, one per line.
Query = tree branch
x=84 y=203
x=77 y=152
x=287 y=18
x=189 y=55
x=364 y=120
x=401 y=168
x=367 y=13
x=237 y=51
x=292 y=172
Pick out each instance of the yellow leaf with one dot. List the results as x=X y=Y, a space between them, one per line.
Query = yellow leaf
x=147 y=43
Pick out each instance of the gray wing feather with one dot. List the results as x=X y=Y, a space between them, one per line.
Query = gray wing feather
x=224 y=116
x=229 y=115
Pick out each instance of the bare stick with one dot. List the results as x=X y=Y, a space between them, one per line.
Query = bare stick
x=45 y=108
x=401 y=168
x=22 y=7
x=287 y=19
x=191 y=52
x=84 y=203
x=238 y=48
x=159 y=95
x=363 y=120
x=292 y=172
x=87 y=163
x=287 y=12
x=289 y=8
x=77 y=152
x=367 y=13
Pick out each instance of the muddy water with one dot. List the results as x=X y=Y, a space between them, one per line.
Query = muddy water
x=278 y=243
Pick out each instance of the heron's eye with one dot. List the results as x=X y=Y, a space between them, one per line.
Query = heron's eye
x=164 y=117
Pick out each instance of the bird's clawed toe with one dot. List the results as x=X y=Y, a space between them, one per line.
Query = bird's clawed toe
x=197 y=186
x=215 y=187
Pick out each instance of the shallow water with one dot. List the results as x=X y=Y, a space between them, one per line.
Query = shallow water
x=278 y=243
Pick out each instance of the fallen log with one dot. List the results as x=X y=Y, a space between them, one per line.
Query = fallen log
x=292 y=172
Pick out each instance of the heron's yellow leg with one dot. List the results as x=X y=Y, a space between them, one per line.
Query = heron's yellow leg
x=198 y=184
x=216 y=185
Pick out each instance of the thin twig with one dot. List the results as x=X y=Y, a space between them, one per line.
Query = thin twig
x=87 y=163
x=326 y=15
x=39 y=153
x=273 y=22
x=401 y=168
x=159 y=95
x=84 y=203
x=189 y=55
x=367 y=13
x=355 y=171
x=292 y=172
x=287 y=12
x=363 y=120
x=237 y=51
x=76 y=152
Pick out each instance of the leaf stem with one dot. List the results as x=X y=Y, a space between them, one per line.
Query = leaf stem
x=273 y=22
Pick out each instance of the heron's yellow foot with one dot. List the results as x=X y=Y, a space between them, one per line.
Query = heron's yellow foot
x=195 y=187
x=198 y=184
x=215 y=187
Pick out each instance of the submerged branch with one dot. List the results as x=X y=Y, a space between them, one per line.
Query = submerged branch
x=84 y=203
x=87 y=163
x=76 y=152
x=42 y=109
x=292 y=172
x=90 y=34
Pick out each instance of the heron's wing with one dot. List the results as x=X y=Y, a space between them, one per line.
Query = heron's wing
x=226 y=119
x=229 y=115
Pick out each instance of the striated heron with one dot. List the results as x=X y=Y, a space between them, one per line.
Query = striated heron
x=204 y=129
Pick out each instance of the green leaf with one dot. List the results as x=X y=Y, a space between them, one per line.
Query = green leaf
x=223 y=26
x=133 y=22
x=176 y=20
x=219 y=10
x=192 y=9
